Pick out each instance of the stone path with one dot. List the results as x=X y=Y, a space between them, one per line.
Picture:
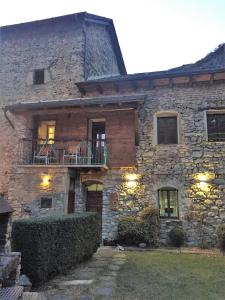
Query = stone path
x=93 y=280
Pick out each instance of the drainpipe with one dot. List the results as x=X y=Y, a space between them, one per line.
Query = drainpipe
x=7 y=118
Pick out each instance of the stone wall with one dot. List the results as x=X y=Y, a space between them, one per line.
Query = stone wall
x=28 y=185
x=60 y=46
x=177 y=165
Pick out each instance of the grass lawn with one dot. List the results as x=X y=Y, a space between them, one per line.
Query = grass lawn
x=157 y=275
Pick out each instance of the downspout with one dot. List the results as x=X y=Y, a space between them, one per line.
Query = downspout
x=7 y=118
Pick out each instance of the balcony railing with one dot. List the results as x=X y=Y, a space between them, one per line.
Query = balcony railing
x=63 y=152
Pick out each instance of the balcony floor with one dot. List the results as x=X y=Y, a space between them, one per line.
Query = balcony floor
x=90 y=166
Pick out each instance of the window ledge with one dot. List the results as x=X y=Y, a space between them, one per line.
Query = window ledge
x=170 y=219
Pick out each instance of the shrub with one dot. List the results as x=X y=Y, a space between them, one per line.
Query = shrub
x=53 y=245
x=143 y=229
x=130 y=231
x=176 y=237
x=221 y=237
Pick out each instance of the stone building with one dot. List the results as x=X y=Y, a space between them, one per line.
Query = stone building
x=78 y=133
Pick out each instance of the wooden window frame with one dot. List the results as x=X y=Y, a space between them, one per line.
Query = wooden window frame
x=39 y=76
x=166 y=114
x=169 y=189
x=216 y=115
x=52 y=141
x=48 y=200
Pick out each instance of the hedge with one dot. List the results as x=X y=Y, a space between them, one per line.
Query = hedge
x=53 y=245
x=133 y=230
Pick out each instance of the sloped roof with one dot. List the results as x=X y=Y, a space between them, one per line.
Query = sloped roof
x=213 y=60
x=78 y=102
x=4 y=206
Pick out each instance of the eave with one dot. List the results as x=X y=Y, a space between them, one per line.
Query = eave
x=138 y=81
x=123 y=100
x=5 y=208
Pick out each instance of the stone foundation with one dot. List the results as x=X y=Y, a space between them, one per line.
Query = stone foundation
x=9 y=269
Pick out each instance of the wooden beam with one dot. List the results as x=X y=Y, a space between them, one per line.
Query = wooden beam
x=99 y=89
x=116 y=87
x=82 y=90
x=134 y=85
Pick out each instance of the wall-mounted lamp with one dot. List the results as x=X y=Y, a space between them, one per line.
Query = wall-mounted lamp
x=45 y=180
x=131 y=183
x=203 y=180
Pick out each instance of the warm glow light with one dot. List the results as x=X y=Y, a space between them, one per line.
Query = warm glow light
x=202 y=177
x=203 y=185
x=45 y=180
x=131 y=177
x=131 y=184
x=205 y=177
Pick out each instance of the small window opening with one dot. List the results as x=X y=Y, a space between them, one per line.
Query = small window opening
x=168 y=202
x=167 y=130
x=216 y=127
x=39 y=76
x=46 y=202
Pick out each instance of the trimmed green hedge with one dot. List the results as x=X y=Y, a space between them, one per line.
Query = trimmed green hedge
x=144 y=228
x=53 y=245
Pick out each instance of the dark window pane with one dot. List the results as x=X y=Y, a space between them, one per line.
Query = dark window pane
x=216 y=127
x=39 y=76
x=46 y=202
x=168 y=203
x=167 y=130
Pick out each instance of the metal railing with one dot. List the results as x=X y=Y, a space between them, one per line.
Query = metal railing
x=63 y=152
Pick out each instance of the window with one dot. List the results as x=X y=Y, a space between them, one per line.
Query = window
x=168 y=203
x=46 y=202
x=39 y=76
x=167 y=130
x=46 y=132
x=216 y=127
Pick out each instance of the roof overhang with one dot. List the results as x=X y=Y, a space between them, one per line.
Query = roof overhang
x=122 y=100
x=150 y=80
x=5 y=208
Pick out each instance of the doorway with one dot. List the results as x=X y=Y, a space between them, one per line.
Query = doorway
x=94 y=198
x=71 y=196
x=97 y=136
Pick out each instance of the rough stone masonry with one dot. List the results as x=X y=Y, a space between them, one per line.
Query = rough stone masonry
x=81 y=58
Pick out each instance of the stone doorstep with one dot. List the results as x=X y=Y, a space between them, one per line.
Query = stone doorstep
x=113 y=267
x=33 y=296
x=103 y=291
x=76 y=282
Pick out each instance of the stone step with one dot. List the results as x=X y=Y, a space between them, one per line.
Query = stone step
x=33 y=296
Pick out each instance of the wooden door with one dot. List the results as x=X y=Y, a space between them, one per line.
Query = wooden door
x=94 y=201
x=71 y=197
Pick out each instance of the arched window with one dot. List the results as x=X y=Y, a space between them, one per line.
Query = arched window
x=168 y=202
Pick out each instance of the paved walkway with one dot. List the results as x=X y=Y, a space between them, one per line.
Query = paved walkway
x=93 y=280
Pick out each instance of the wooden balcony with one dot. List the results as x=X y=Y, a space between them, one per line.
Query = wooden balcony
x=82 y=153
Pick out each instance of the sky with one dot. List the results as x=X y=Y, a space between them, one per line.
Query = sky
x=153 y=34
